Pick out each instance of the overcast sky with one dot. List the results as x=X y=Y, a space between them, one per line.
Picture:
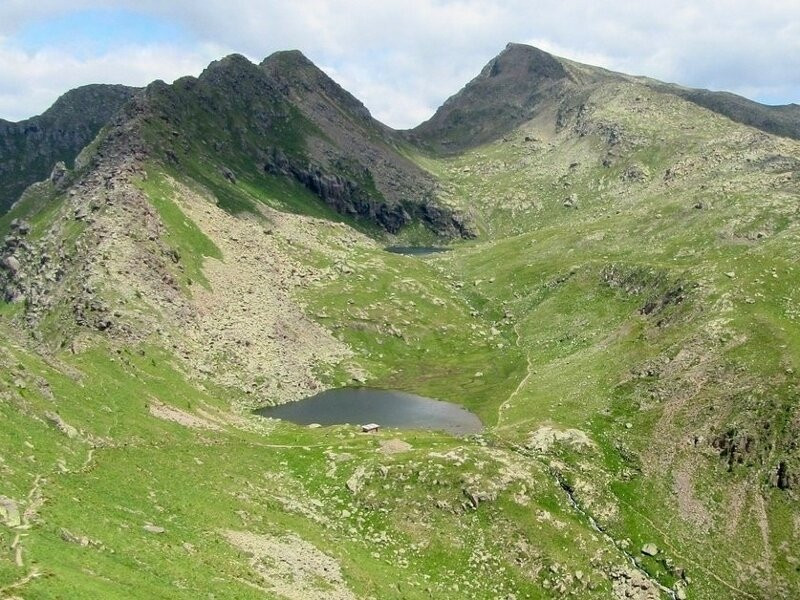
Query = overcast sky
x=402 y=58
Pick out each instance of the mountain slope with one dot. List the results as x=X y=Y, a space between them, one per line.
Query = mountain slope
x=779 y=120
x=625 y=325
x=29 y=149
x=523 y=81
x=239 y=124
x=366 y=143
x=509 y=90
x=645 y=249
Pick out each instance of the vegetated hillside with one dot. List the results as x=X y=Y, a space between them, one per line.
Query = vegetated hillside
x=625 y=326
x=29 y=149
x=522 y=82
x=648 y=252
x=783 y=120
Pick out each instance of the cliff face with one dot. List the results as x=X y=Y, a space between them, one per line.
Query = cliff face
x=29 y=149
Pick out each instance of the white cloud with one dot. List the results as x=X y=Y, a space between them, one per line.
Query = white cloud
x=402 y=58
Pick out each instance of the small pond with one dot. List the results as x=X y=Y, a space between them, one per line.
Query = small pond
x=416 y=250
x=387 y=408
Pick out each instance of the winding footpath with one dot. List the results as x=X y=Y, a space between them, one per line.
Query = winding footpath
x=523 y=382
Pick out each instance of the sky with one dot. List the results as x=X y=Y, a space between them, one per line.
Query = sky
x=402 y=58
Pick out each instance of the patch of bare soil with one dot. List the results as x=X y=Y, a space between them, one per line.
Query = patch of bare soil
x=291 y=567
x=176 y=415
x=690 y=506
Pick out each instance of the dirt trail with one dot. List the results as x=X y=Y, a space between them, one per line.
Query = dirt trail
x=523 y=382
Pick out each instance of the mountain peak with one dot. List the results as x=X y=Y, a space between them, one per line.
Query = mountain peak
x=521 y=60
x=505 y=93
x=302 y=79
x=289 y=58
x=232 y=63
x=31 y=147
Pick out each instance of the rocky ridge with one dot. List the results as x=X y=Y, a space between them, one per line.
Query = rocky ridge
x=29 y=149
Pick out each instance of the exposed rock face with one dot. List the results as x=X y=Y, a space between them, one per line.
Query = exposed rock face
x=15 y=247
x=29 y=149
x=350 y=197
x=368 y=166
x=59 y=176
x=735 y=447
x=46 y=270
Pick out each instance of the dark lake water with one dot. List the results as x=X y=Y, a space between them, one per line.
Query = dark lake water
x=416 y=250
x=387 y=408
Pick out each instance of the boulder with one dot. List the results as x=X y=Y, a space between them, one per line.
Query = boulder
x=636 y=173
x=56 y=421
x=59 y=176
x=229 y=175
x=20 y=226
x=650 y=549
x=394 y=446
x=9 y=512
x=11 y=263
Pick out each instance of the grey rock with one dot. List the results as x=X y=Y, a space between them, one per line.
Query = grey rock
x=229 y=175
x=59 y=176
x=650 y=549
x=12 y=264
x=20 y=226
x=56 y=421
x=571 y=201
x=636 y=173
x=9 y=511
x=59 y=133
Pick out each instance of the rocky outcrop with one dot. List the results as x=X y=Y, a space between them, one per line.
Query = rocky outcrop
x=349 y=196
x=285 y=118
x=355 y=166
x=783 y=120
x=29 y=149
x=784 y=478
x=14 y=251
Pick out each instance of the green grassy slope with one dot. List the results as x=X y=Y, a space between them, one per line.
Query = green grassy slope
x=656 y=316
x=625 y=327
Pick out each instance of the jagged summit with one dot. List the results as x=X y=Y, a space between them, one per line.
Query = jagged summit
x=286 y=121
x=231 y=64
x=518 y=61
